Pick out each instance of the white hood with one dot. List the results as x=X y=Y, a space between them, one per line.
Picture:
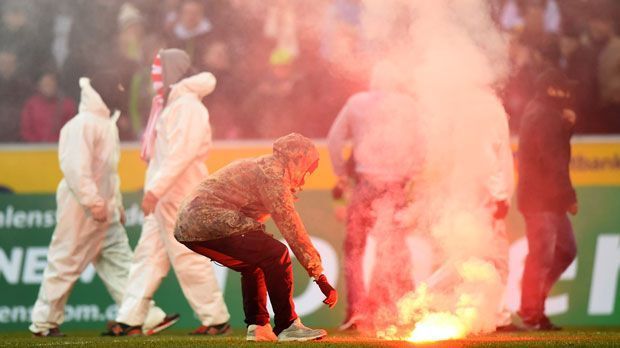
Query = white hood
x=90 y=100
x=201 y=85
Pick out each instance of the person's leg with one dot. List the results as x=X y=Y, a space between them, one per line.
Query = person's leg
x=76 y=241
x=194 y=272
x=253 y=287
x=541 y=237
x=113 y=265
x=278 y=271
x=359 y=222
x=272 y=257
x=150 y=265
x=254 y=293
x=502 y=246
x=565 y=251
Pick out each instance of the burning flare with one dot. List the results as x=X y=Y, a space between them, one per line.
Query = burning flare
x=438 y=327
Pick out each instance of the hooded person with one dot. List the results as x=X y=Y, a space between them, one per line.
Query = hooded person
x=223 y=219
x=383 y=120
x=90 y=213
x=545 y=194
x=179 y=138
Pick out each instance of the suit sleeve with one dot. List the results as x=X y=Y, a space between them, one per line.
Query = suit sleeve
x=76 y=152
x=501 y=182
x=279 y=202
x=338 y=135
x=188 y=129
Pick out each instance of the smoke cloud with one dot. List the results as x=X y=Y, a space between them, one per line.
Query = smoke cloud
x=450 y=57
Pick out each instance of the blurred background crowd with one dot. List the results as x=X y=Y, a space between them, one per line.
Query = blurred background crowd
x=281 y=65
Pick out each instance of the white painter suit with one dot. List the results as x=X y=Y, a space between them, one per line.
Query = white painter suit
x=382 y=128
x=493 y=182
x=176 y=167
x=500 y=187
x=89 y=152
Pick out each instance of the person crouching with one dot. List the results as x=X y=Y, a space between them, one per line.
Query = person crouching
x=223 y=219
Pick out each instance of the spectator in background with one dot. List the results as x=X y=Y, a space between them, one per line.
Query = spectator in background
x=528 y=63
x=239 y=24
x=579 y=63
x=46 y=112
x=14 y=90
x=91 y=41
x=224 y=110
x=272 y=103
x=281 y=27
x=54 y=19
x=531 y=16
x=18 y=34
x=131 y=63
x=192 y=30
x=607 y=44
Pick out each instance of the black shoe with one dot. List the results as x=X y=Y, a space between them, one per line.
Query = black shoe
x=53 y=332
x=213 y=330
x=547 y=325
x=509 y=328
x=167 y=322
x=120 y=329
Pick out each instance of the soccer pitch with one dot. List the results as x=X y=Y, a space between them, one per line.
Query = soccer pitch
x=176 y=338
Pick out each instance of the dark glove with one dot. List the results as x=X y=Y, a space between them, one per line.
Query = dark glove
x=501 y=210
x=331 y=296
x=337 y=192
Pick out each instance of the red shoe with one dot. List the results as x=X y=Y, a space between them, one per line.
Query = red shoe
x=119 y=329
x=168 y=321
x=213 y=330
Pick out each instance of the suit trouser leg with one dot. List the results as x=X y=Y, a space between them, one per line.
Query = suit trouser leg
x=113 y=265
x=150 y=265
x=194 y=272
x=359 y=222
x=76 y=241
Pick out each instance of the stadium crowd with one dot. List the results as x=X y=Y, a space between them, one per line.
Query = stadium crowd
x=281 y=65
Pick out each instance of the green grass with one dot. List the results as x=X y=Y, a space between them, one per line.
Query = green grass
x=175 y=338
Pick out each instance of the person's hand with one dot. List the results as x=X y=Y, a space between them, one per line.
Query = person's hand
x=148 y=203
x=501 y=210
x=338 y=190
x=573 y=209
x=331 y=295
x=99 y=212
x=569 y=116
x=121 y=210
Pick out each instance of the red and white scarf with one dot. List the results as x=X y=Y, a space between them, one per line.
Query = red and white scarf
x=157 y=105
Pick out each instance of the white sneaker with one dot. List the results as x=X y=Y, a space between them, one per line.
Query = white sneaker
x=258 y=333
x=298 y=332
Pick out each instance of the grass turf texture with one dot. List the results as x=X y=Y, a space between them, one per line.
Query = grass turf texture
x=176 y=338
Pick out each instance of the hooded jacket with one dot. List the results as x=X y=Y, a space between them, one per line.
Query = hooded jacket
x=544 y=159
x=89 y=151
x=241 y=196
x=183 y=140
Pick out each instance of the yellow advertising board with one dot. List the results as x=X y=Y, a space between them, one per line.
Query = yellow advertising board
x=34 y=169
